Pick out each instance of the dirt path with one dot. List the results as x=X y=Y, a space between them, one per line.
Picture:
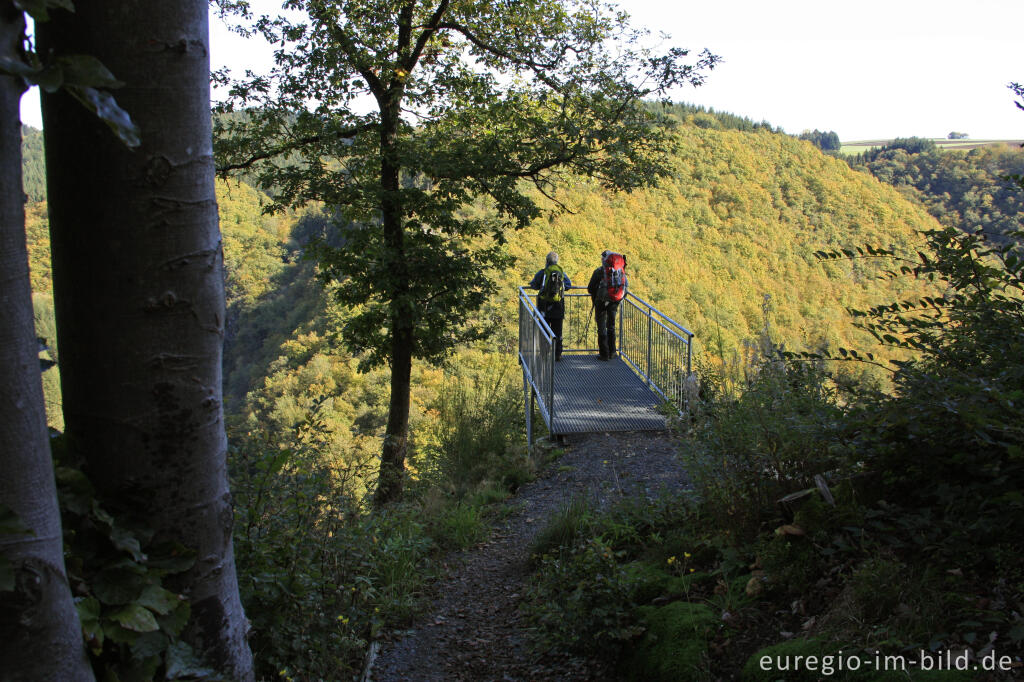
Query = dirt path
x=473 y=631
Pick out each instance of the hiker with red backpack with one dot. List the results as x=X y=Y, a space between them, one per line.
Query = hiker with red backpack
x=552 y=282
x=607 y=288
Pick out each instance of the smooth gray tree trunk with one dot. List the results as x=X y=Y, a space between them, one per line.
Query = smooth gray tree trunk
x=139 y=295
x=40 y=636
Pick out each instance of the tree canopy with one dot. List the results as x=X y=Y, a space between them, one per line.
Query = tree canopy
x=402 y=113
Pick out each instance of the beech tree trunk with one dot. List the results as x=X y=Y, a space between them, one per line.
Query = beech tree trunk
x=139 y=295
x=40 y=636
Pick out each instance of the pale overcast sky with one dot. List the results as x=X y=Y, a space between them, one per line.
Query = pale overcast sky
x=870 y=69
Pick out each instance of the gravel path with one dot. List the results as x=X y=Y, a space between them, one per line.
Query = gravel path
x=473 y=631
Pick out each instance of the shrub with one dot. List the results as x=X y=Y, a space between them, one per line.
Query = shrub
x=318 y=577
x=477 y=434
x=749 y=449
x=674 y=647
x=582 y=600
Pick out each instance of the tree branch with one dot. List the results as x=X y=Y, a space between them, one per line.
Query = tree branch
x=292 y=146
x=538 y=69
x=429 y=29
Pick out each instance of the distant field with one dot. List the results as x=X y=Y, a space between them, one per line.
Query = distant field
x=860 y=146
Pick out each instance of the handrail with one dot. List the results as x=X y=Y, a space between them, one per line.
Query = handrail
x=536 y=355
x=656 y=347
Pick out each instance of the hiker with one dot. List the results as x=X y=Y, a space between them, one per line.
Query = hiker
x=551 y=281
x=607 y=288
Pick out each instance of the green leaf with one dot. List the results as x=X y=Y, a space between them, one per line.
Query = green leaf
x=118 y=585
x=50 y=78
x=15 y=67
x=148 y=645
x=118 y=634
x=183 y=662
x=88 y=608
x=126 y=542
x=107 y=109
x=176 y=620
x=35 y=8
x=87 y=71
x=173 y=559
x=135 y=617
x=158 y=600
x=11 y=523
x=89 y=616
x=76 y=492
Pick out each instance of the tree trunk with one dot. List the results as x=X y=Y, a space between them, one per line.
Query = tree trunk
x=40 y=636
x=396 y=436
x=139 y=295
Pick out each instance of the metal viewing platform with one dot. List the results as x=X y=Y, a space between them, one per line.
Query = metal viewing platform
x=583 y=394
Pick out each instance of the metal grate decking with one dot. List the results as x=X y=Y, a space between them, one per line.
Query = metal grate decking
x=593 y=396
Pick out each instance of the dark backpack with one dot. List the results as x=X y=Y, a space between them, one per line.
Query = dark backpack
x=552 y=287
x=613 y=279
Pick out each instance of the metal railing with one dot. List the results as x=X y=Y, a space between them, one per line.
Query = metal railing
x=657 y=347
x=537 y=356
x=654 y=345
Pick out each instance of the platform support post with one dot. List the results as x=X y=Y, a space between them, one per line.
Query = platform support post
x=528 y=400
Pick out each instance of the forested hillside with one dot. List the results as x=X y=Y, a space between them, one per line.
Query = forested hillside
x=739 y=220
x=33 y=165
x=966 y=190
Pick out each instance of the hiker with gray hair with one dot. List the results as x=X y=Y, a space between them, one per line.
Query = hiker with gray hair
x=551 y=283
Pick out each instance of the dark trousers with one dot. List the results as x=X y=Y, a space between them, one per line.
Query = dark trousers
x=604 y=316
x=553 y=315
x=556 y=326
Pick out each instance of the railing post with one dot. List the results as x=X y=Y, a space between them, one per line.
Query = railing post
x=551 y=388
x=689 y=354
x=650 y=333
x=528 y=404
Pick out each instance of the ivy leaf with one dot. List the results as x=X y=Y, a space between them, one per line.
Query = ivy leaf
x=109 y=111
x=136 y=618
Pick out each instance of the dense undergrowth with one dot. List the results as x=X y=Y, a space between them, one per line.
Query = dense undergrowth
x=321 y=575
x=829 y=520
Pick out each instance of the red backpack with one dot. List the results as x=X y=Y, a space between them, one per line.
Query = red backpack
x=613 y=281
